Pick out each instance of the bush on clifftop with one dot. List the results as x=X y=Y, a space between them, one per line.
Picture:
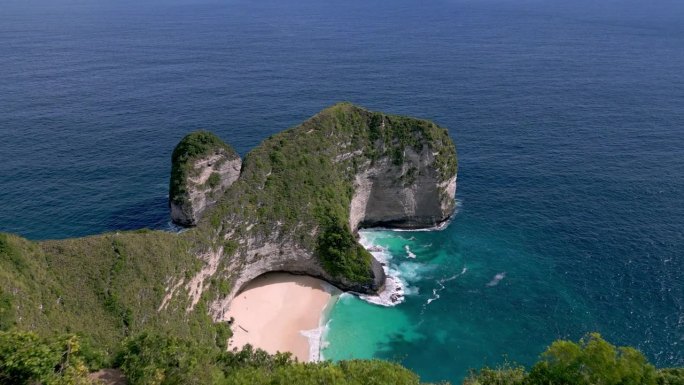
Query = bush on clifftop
x=591 y=361
x=341 y=255
x=191 y=147
x=26 y=358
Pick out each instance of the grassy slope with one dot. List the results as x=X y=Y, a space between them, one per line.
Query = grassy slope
x=192 y=147
x=103 y=287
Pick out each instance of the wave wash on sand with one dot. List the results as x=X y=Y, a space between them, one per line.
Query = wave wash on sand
x=282 y=312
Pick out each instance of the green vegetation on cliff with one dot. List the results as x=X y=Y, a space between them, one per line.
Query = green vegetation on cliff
x=303 y=180
x=340 y=254
x=192 y=147
x=297 y=185
x=103 y=287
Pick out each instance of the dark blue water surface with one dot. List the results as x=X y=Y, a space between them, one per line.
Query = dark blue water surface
x=568 y=116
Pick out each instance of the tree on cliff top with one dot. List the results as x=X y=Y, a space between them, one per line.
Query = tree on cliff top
x=591 y=361
x=340 y=254
x=191 y=147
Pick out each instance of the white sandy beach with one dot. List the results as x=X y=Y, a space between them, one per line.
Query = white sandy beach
x=271 y=312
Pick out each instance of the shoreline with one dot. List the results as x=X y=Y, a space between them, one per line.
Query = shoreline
x=316 y=337
x=283 y=312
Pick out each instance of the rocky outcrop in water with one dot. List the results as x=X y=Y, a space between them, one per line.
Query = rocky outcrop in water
x=203 y=167
x=302 y=195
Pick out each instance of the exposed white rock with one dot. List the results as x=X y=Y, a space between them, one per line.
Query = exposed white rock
x=410 y=195
x=201 y=193
x=392 y=183
x=196 y=286
x=170 y=291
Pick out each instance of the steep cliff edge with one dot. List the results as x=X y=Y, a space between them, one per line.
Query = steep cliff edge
x=413 y=184
x=203 y=167
x=294 y=204
x=303 y=193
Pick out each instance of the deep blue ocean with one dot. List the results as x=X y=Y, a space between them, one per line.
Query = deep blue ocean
x=568 y=117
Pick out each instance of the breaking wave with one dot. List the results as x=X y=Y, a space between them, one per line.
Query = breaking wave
x=497 y=278
x=441 y=282
x=395 y=288
x=409 y=254
x=317 y=336
x=399 y=274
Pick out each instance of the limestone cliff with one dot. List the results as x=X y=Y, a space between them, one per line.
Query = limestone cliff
x=294 y=205
x=203 y=167
x=412 y=194
x=303 y=193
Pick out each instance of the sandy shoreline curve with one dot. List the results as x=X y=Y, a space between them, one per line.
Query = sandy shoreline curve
x=282 y=312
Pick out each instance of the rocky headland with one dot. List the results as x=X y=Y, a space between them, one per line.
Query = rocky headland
x=293 y=204
x=203 y=167
x=302 y=195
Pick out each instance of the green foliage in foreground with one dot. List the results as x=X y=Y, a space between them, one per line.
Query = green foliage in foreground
x=102 y=288
x=154 y=359
x=27 y=359
x=151 y=359
x=356 y=372
x=592 y=361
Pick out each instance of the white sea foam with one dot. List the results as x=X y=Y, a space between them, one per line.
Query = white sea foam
x=393 y=292
x=317 y=341
x=411 y=271
x=497 y=278
x=314 y=336
x=441 y=282
x=324 y=340
x=409 y=254
x=344 y=297
x=317 y=336
x=395 y=288
x=435 y=296
x=174 y=228
x=398 y=275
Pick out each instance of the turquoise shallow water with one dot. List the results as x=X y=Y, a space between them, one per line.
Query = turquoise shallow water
x=477 y=295
x=567 y=115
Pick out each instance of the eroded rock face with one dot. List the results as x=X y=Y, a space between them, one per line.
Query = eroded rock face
x=293 y=205
x=265 y=257
x=347 y=166
x=204 y=167
x=410 y=195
